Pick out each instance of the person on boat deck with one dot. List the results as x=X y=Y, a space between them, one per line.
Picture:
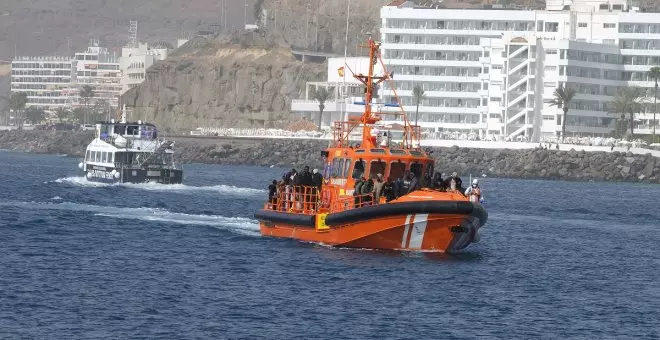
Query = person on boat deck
x=474 y=192
x=378 y=188
x=272 y=189
x=414 y=183
x=438 y=182
x=317 y=179
x=389 y=190
x=290 y=181
x=357 y=190
x=366 y=191
x=403 y=184
x=454 y=182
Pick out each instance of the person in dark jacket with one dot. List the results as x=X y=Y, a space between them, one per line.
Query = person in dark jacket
x=357 y=190
x=414 y=183
x=306 y=177
x=272 y=189
x=404 y=184
x=317 y=179
x=454 y=183
x=389 y=190
x=366 y=190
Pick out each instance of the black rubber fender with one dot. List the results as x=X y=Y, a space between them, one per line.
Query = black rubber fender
x=405 y=208
x=286 y=218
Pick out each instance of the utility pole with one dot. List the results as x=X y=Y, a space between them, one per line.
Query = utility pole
x=245 y=15
x=307 y=25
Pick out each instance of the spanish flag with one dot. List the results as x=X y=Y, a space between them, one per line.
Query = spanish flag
x=341 y=71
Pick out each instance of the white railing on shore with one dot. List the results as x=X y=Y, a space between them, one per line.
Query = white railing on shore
x=265 y=133
x=463 y=140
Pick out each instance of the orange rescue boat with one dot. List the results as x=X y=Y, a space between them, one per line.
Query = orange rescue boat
x=421 y=220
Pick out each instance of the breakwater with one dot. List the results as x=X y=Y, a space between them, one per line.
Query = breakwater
x=530 y=163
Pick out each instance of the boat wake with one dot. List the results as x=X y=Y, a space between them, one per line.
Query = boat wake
x=223 y=189
x=239 y=225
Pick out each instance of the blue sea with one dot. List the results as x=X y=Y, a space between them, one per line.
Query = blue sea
x=556 y=260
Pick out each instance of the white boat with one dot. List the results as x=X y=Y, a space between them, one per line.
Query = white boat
x=125 y=152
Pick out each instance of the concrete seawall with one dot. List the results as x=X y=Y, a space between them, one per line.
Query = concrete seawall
x=510 y=163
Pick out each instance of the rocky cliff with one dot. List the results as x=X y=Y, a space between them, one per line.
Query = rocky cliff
x=534 y=164
x=239 y=80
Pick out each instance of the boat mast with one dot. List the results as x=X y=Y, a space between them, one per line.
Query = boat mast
x=344 y=107
x=368 y=118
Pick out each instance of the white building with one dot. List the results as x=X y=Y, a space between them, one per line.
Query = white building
x=98 y=68
x=493 y=72
x=47 y=81
x=134 y=63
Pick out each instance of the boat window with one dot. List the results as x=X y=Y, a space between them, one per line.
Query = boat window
x=347 y=166
x=327 y=171
x=377 y=167
x=334 y=167
x=378 y=151
x=87 y=155
x=132 y=130
x=98 y=156
x=92 y=157
x=416 y=168
x=417 y=153
x=104 y=157
x=340 y=167
x=397 y=169
x=429 y=170
x=398 y=152
x=337 y=167
x=120 y=129
x=358 y=169
x=111 y=157
x=359 y=151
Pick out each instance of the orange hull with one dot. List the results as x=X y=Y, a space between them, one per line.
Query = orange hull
x=433 y=232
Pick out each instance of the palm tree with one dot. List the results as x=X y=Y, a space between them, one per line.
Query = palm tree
x=418 y=96
x=627 y=100
x=321 y=95
x=655 y=74
x=35 y=115
x=562 y=99
x=86 y=92
x=17 y=102
x=62 y=113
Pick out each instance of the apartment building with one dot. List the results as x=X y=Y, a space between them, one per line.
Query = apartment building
x=98 y=68
x=493 y=72
x=134 y=62
x=46 y=80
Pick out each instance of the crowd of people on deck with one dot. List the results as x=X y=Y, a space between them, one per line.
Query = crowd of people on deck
x=303 y=190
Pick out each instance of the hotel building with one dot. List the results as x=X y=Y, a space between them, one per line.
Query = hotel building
x=492 y=72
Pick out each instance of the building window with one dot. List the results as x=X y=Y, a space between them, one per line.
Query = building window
x=495 y=99
x=582 y=24
x=497 y=67
x=609 y=42
x=550 y=51
x=552 y=27
x=539 y=26
x=609 y=25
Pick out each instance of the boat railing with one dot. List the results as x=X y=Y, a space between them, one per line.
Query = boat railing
x=297 y=199
x=310 y=200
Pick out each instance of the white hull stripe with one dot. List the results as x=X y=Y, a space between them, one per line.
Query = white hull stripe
x=404 y=239
x=418 y=229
